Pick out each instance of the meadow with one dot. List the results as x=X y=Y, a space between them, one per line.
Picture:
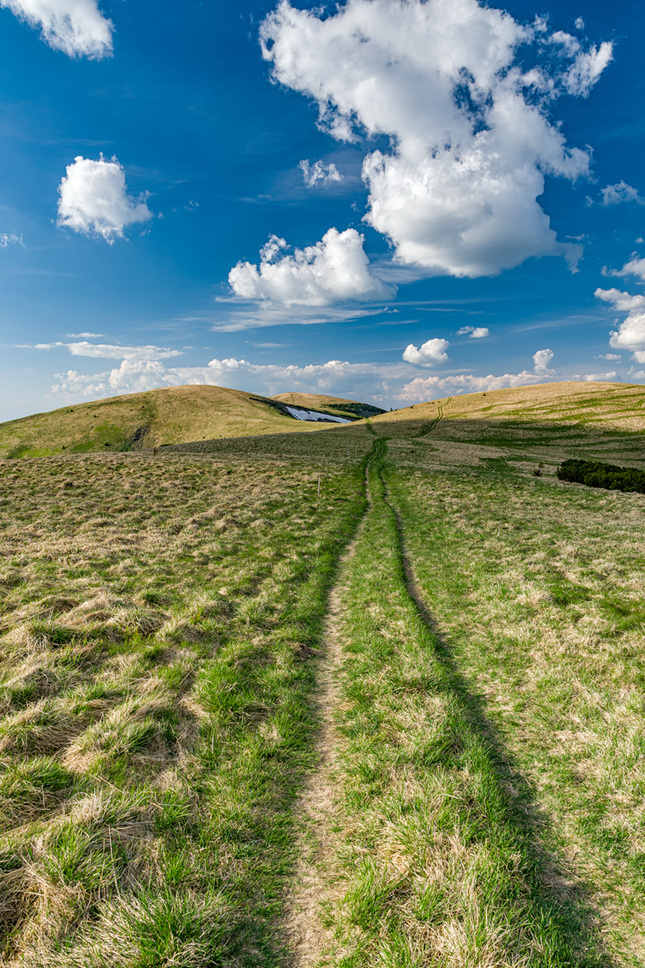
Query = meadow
x=369 y=696
x=158 y=418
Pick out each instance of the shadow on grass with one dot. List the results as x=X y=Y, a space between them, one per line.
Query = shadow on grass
x=559 y=912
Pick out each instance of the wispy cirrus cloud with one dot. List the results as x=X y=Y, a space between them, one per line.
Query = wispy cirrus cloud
x=10 y=238
x=106 y=351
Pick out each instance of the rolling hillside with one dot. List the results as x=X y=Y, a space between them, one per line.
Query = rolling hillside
x=552 y=420
x=616 y=406
x=141 y=421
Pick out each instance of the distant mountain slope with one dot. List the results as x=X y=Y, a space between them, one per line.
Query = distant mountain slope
x=336 y=406
x=139 y=421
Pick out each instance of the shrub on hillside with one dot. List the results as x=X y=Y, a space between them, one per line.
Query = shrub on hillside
x=596 y=474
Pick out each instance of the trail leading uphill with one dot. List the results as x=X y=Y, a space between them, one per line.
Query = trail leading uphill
x=423 y=841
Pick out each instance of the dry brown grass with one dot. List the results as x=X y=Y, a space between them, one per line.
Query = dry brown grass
x=159 y=619
x=617 y=406
x=142 y=421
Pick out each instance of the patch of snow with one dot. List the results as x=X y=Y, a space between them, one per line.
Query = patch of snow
x=301 y=414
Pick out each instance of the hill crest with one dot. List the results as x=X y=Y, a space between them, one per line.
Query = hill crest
x=154 y=418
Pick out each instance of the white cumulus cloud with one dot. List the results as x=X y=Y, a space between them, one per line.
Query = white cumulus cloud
x=542 y=361
x=630 y=334
x=425 y=388
x=333 y=270
x=94 y=200
x=470 y=130
x=587 y=68
x=319 y=172
x=367 y=381
x=77 y=27
x=380 y=383
x=431 y=352
x=619 y=193
x=474 y=332
x=635 y=267
x=598 y=377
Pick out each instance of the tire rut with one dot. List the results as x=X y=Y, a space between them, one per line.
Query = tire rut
x=305 y=935
x=428 y=428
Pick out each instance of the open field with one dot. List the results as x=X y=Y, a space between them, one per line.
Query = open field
x=206 y=760
x=174 y=415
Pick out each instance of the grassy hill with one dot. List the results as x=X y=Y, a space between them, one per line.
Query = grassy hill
x=142 y=421
x=371 y=697
x=551 y=420
x=336 y=406
x=615 y=406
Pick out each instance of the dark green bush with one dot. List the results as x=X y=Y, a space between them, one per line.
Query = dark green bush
x=596 y=474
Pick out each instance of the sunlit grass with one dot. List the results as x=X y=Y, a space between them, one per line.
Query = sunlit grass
x=444 y=857
x=539 y=588
x=160 y=625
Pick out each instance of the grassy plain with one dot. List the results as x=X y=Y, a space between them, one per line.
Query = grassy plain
x=444 y=857
x=555 y=412
x=163 y=629
x=491 y=773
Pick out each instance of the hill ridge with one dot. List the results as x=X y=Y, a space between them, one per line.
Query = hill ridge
x=152 y=418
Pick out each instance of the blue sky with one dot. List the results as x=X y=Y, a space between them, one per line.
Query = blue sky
x=382 y=199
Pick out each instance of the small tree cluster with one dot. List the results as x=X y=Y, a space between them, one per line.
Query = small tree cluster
x=596 y=474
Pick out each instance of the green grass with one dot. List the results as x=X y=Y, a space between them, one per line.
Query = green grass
x=160 y=640
x=444 y=856
x=143 y=421
x=538 y=588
